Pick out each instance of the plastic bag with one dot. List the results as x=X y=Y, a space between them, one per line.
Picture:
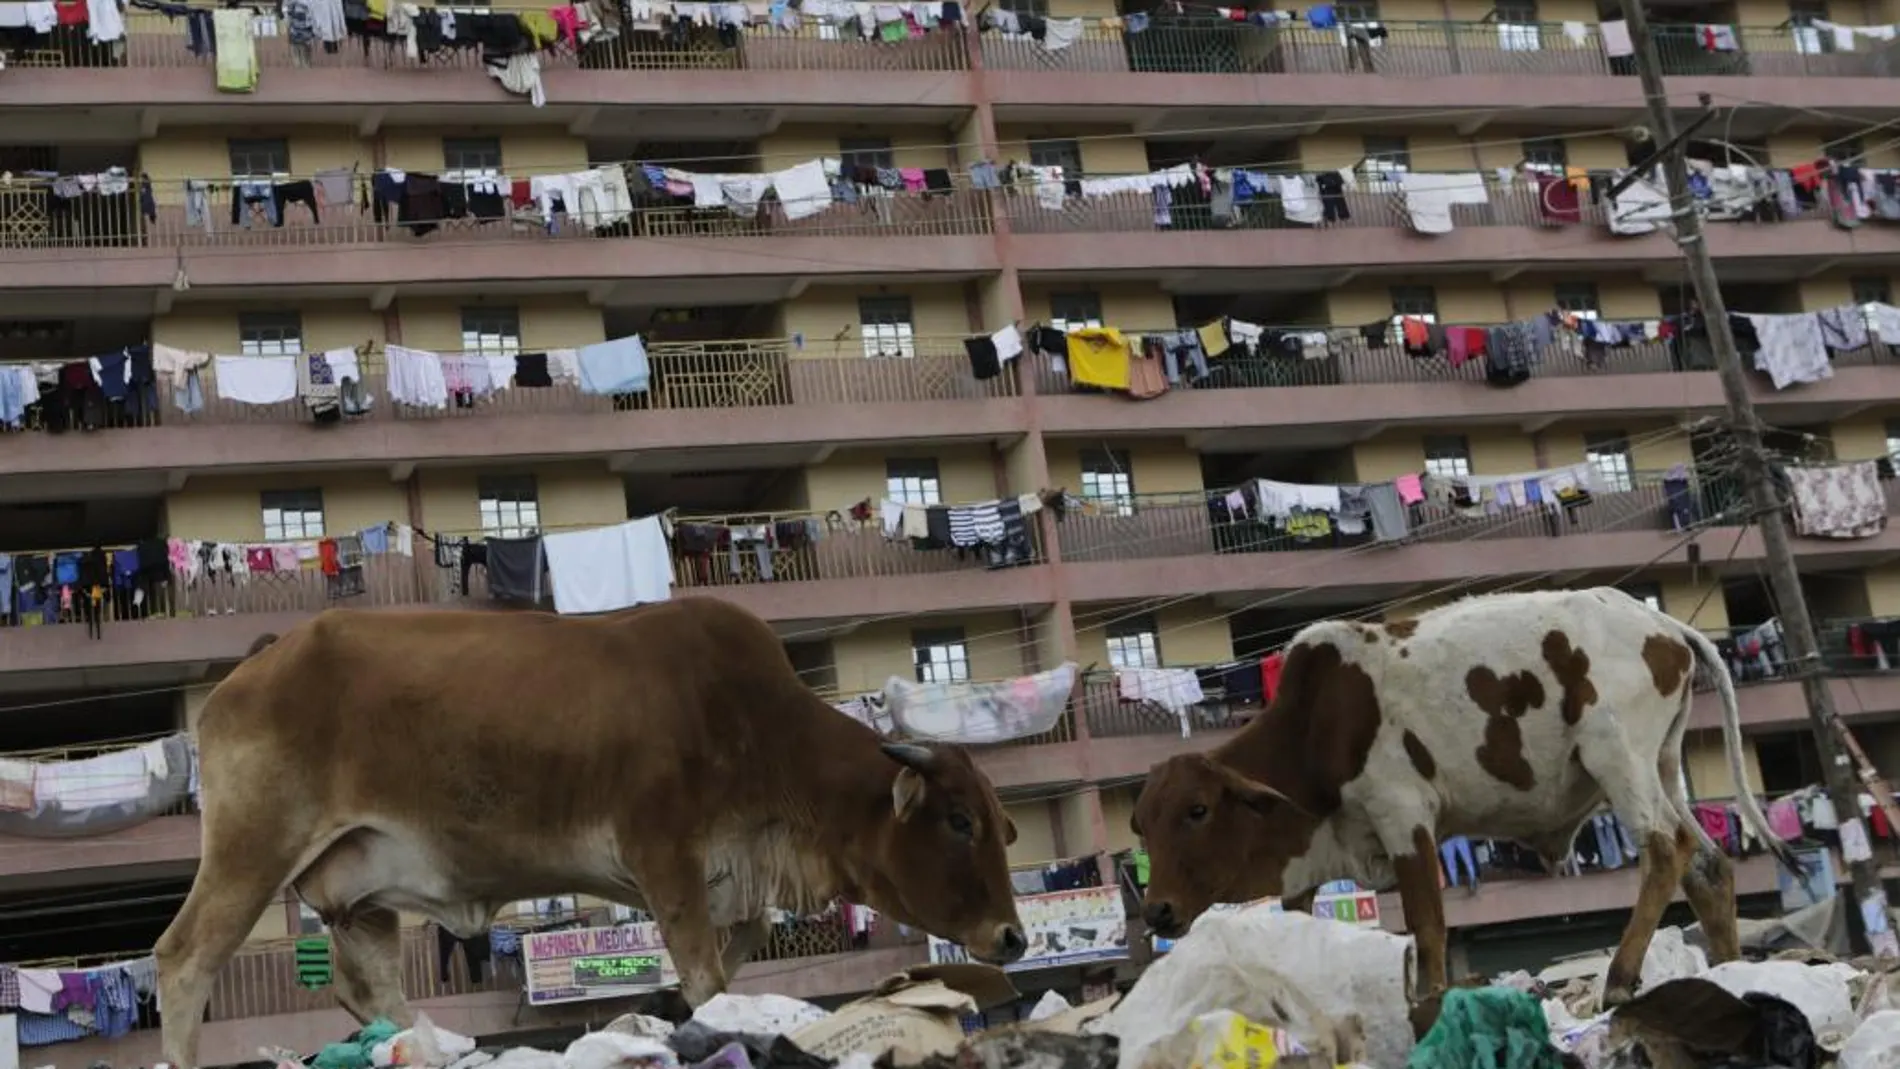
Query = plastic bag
x=1820 y=992
x=616 y=1050
x=1875 y=1044
x=422 y=1045
x=757 y=1015
x=1226 y=1040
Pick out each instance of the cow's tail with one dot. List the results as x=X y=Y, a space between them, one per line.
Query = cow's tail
x=1711 y=659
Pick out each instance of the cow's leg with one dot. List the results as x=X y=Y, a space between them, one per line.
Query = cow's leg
x=672 y=880
x=1708 y=882
x=1416 y=863
x=742 y=941
x=369 y=965
x=244 y=868
x=1636 y=793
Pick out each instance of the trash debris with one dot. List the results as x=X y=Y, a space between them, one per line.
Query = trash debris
x=1694 y=1020
x=1487 y=1028
x=1332 y=985
x=354 y=1052
x=1875 y=1044
x=1225 y=1038
x=1017 y=1048
x=1670 y=957
x=639 y=1024
x=422 y=1045
x=909 y=1016
x=697 y=1044
x=1048 y=1006
x=1820 y=992
x=617 y=1050
x=771 y=1015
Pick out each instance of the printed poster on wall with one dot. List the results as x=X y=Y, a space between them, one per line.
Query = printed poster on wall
x=1063 y=928
x=591 y=963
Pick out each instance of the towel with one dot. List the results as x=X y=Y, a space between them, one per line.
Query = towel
x=803 y=190
x=609 y=568
x=237 y=51
x=257 y=380
x=618 y=366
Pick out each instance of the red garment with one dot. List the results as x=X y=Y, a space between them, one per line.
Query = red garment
x=1557 y=200
x=1857 y=643
x=70 y=12
x=326 y=550
x=569 y=21
x=1807 y=175
x=521 y=192
x=1466 y=343
x=1270 y=668
x=1878 y=821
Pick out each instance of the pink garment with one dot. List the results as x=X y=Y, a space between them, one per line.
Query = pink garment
x=1411 y=490
x=285 y=557
x=569 y=20
x=913 y=179
x=1784 y=819
x=1455 y=348
x=178 y=551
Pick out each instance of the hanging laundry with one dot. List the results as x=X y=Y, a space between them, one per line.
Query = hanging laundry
x=615 y=367
x=1616 y=38
x=415 y=377
x=609 y=568
x=236 y=62
x=981 y=713
x=1639 y=209
x=256 y=380
x=1838 y=500
x=1178 y=690
x=1098 y=356
x=1429 y=198
x=1792 y=348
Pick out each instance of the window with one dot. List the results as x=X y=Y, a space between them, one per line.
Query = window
x=270 y=334
x=1546 y=155
x=1359 y=15
x=491 y=331
x=1578 y=299
x=1066 y=154
x=1386 y=158
x=1134 y=644
x=1447 y=455
x=1809 y=39
x=1108 y=479
x=292 y=514
x=941 y=656
x=471 y=154
x=1609 y=453
x=885 y=323
x=1846 y=150
x=1518 y=30
x=1871 y=289
x=1893 y=439
x=1415 y=302
x=558 y=907
x=1025 y=7
x=1069 y=311
x=1648 y=593
x=509 y=506
x=259 y=157
x=913 y=482
x=855 y=152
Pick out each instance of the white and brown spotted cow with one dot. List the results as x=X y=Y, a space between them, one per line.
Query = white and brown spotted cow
x=1511 y=716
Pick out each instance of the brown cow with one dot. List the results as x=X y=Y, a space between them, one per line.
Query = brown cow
x=666 y=758
x=1514 y=716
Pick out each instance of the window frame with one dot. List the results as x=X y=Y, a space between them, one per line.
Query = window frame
x=1809 y=39
x=1410 y=297
x=1608 y=452
x=1519 y=29
x=1137 y=635
x=509 y=505
x=506 y=321
x=1871 y=289
x=900 y=473
x=304 y=502
x=1063 y=152
x=955 y=644
x=854 y=152
x=1546 y=155
x=887 y=324
x=1388 y=163
x=276 y=333
x=274 y=152
x=1447 y=456
x=1108 y=478
x=1073 y=311
x=1580 y=299
x=485 y=150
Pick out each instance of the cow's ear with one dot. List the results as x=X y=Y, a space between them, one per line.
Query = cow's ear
x=907 y=793
x=1009 y=832
x=1251 y=792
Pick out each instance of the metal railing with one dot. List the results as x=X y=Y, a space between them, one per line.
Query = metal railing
x=1200 y=43
x=185 y=806
x=157 y=42
x=1351 y=357
x=807 y=547
x=735 y=373
x=33 y=216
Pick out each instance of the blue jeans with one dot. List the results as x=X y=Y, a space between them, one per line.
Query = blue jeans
x=1453 y=851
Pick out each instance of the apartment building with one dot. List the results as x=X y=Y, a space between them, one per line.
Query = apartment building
x=806 y=363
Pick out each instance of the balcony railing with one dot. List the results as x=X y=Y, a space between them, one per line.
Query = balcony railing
x=1351 y=359
x=1204 y=44
x=1376 y=204
x=1110 y=716
x=736 y=373
x=85 y=751
x=33 y=217
x=807 y=547
x=155 y=42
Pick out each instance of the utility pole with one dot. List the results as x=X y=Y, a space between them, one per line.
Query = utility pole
x=1785 y=582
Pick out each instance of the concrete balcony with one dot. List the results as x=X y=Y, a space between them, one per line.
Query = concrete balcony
x=706 y=395
x=106 y=243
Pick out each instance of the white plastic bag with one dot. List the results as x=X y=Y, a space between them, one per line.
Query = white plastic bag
x=1875 y=1044
x=1669 y=958
x=1820 y=992
x=757 y=1015
x=1048 y=1006
x=422 y=1045
x=617 y=1050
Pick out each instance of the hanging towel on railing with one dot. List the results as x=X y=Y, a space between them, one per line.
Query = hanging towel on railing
x=978 y=713
x=618 y=366
x=1175 y=689
x=1838 y=500
x=237 y=50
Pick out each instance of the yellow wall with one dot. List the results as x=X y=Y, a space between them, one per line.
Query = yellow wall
x=213 y=328
x=1431 y=150
x=193 y=152
x=229 y=508
x=965 y=473
x=911 y=146
x=1192 y=633
x=1035 y=834
x=1476 y=302
x=1158 y=465
x=1494 y=451
x=875 y=652
x=1652 y=447
x=1681 y=595
x=828 y=317
x=1883 y=589
x=547 y=322
x=523 y=152
x=1076 y=816
x=1706 y=763
x=581 y=494
x=1125 y=305
x=1863 y=437
x=1118 y=806
x=1105 y=149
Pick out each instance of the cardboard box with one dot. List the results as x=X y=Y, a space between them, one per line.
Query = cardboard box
x=913 y=1014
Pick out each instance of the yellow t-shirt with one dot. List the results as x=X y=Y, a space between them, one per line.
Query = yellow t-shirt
x=1098 y=356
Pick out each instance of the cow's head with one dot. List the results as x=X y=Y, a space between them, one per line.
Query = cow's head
x=1213 y=836
x=943 y=853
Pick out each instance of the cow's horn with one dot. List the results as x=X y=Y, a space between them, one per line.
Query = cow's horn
x=910 y=756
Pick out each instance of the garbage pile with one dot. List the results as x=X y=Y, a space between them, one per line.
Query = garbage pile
x=1253 y=988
